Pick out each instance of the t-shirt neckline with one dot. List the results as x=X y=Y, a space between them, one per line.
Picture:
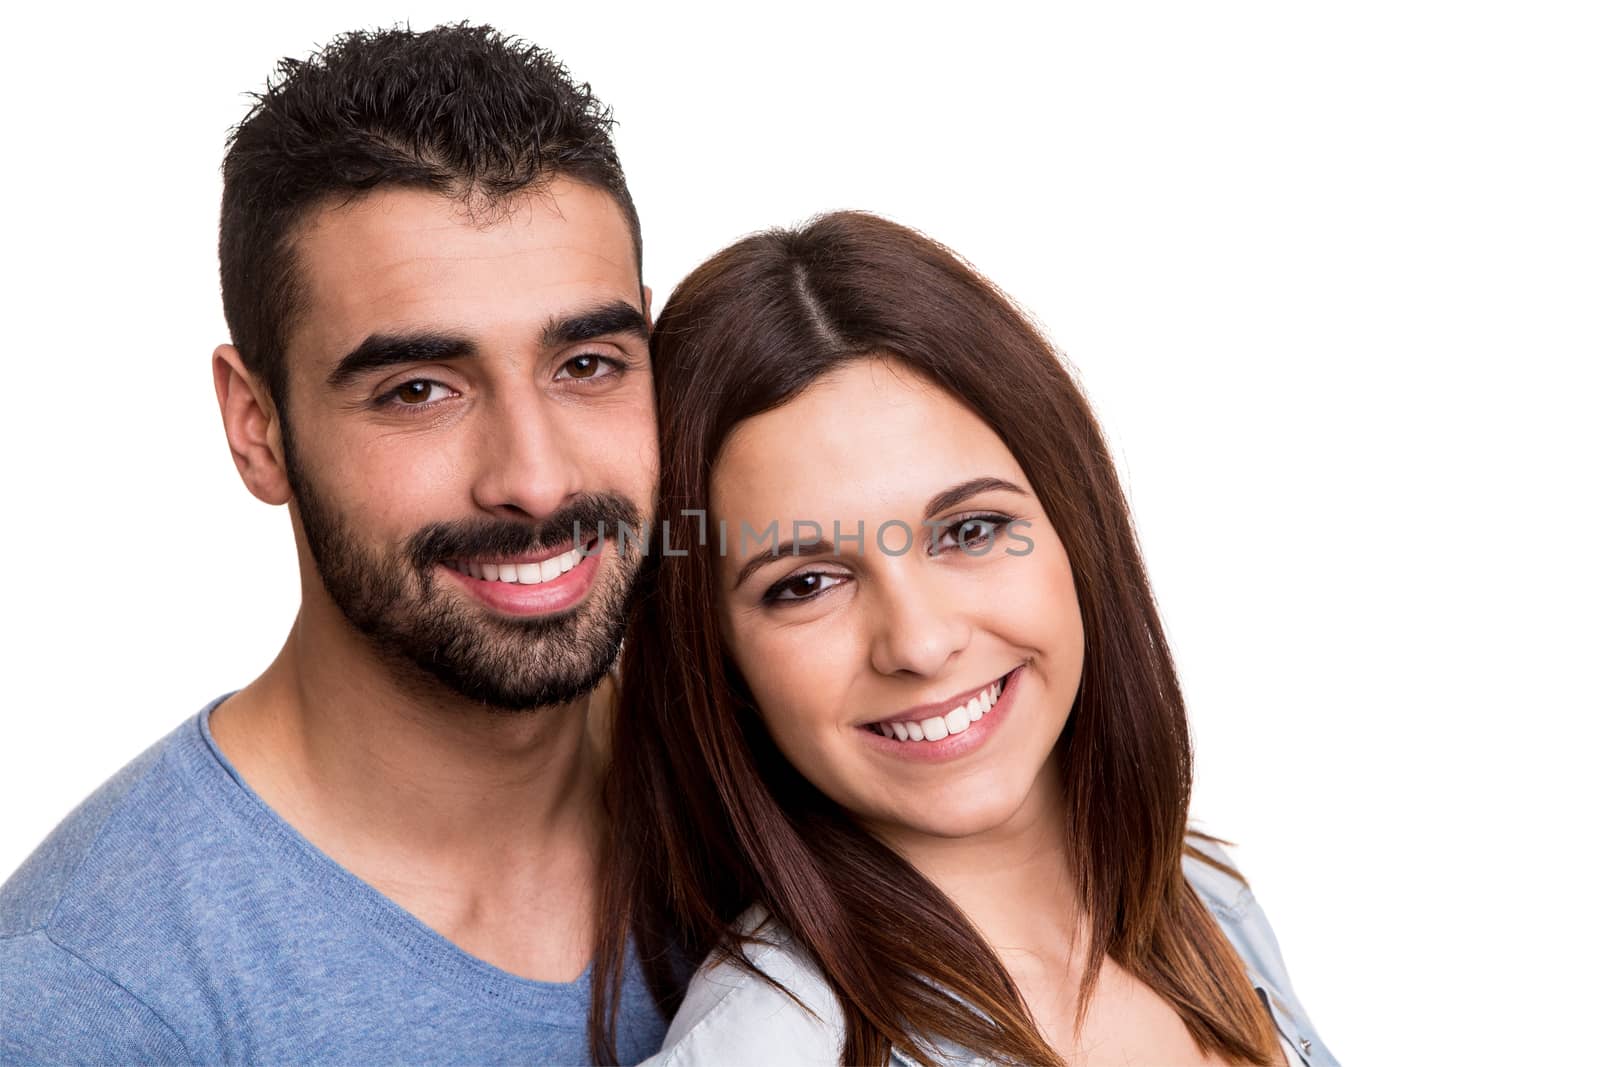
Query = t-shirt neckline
x=426 y=950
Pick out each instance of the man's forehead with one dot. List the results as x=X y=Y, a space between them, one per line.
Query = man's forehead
x=409 y=258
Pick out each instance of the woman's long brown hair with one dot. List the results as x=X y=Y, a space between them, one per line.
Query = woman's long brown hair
x=708 y=817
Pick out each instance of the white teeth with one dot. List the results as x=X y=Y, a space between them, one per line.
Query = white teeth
x=523 y=573
x=941 y=726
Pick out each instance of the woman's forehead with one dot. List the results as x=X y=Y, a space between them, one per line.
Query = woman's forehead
x=871 y=435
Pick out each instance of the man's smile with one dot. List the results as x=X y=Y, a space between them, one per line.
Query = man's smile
x=542 y=583
x=533 y=569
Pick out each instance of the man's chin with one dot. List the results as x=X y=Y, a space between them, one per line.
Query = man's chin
x=521 y=695
x=509 y=664
x=511 y=646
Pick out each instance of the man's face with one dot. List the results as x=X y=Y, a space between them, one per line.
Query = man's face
x=467 y=401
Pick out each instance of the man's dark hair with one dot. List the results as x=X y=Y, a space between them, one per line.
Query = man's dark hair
x=461 y=110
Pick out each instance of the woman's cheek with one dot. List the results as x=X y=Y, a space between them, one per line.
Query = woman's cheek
x=798 y=685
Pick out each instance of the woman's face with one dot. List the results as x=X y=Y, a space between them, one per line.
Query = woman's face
x=901 y=631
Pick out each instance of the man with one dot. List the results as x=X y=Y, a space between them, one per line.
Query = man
x=384 y=848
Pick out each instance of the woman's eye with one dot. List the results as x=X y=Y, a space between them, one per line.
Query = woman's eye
x=802 y=586
x=418 y=392
x=971 y=533
x=588 y=366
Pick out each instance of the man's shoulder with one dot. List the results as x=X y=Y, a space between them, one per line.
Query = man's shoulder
x=58 y=1008
x=71 y=860
x=98 y=872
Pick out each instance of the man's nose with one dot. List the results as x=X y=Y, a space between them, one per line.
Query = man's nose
x=526 y=463
x=917 y=628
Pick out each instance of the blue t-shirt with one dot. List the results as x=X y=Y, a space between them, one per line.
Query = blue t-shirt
x=175 y=918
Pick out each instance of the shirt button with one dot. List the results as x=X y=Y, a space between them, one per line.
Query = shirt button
x=1305 y=1046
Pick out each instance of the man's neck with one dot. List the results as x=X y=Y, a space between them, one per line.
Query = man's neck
x=484 y=824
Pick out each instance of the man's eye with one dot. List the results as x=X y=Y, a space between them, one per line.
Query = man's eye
x=418 y=392
x=588 y=366
x=802 y=586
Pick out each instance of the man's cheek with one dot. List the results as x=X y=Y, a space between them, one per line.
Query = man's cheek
x=417 y=485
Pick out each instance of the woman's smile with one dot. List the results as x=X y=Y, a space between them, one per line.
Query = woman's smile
x=948 y=730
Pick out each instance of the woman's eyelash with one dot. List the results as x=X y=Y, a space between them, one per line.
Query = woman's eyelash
x=948 y=528
x=771 y=596
x=995 y=522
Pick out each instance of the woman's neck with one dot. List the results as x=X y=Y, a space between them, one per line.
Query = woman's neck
x=1015 y=882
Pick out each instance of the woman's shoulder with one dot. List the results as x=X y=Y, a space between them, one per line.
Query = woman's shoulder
x=1215 y=876
x=1225 y=893
x=785 y=1014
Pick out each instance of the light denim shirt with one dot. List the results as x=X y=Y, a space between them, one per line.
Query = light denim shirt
x=729 y=1016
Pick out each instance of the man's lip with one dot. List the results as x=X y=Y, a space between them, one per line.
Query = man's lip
x=941 y=707
x=556 y=595
x=536 y=557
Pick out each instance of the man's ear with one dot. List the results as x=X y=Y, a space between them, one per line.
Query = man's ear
x=250 y=420
x=648 y=317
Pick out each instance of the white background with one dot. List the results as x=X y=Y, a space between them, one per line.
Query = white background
x=1329 y=276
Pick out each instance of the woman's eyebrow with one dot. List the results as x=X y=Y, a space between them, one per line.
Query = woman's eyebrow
x=969 y=488
x=785 y=550
x=800 y=550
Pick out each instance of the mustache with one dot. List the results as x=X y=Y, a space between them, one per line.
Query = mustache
x=475 y=538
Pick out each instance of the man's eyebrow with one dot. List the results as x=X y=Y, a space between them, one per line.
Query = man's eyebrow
x=602 y=321
x=972 y=487
x=783 y=550
x=383 y=350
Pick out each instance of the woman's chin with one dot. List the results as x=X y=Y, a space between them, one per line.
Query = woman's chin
x=972 y=810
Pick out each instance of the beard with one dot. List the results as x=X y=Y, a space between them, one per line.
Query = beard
x=393 y=598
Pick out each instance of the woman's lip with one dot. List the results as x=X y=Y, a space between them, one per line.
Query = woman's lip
x=952 y=746
x=942 y=707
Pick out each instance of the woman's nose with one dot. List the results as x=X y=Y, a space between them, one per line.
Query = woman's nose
x=918 y=629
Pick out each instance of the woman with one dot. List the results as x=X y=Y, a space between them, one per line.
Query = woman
x=901 y=753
